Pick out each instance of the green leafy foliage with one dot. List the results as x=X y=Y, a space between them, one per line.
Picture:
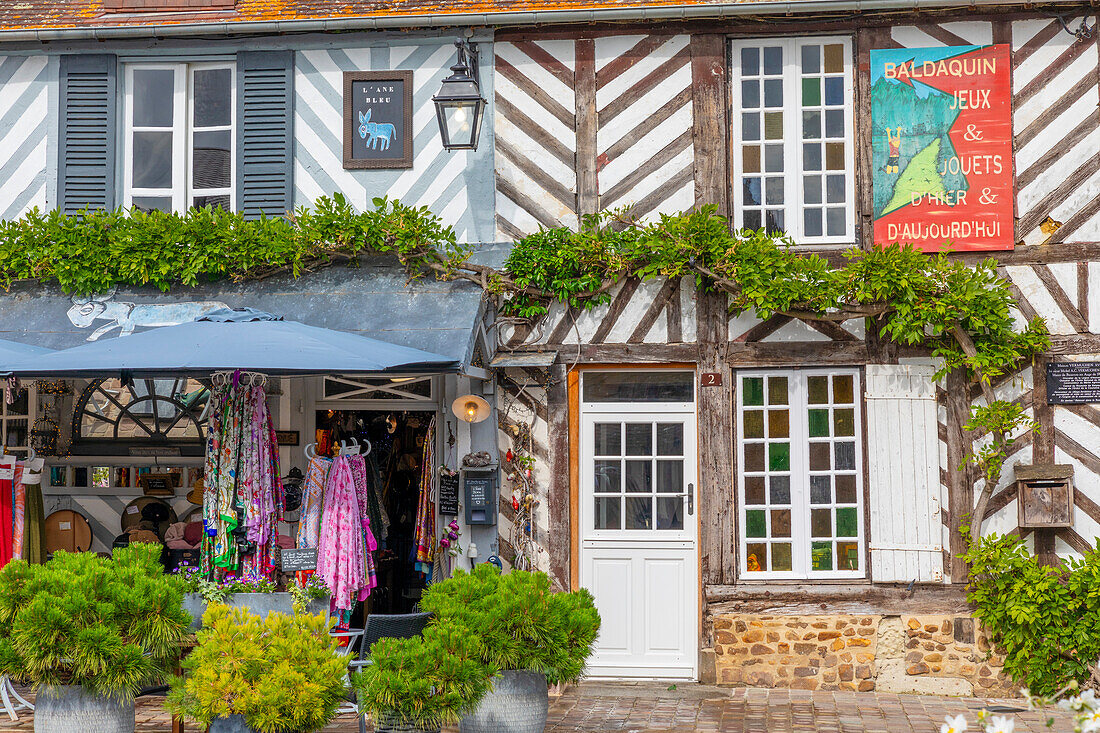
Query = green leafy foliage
x=517 y=621
x=95 y=250
x=110 y=625
x=1003 y=421
x=283 y=673
x=428 y=681
x=914 y=298
x=1046 y=620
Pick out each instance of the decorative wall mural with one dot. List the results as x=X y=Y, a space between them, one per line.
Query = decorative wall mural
x=126 y=316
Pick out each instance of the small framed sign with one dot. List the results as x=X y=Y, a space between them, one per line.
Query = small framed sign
x=287 y=437
x=378 y=119
x=294 y=560
x=448 y=493
x=157 y=484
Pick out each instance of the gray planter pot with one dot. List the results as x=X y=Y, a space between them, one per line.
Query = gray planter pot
x=194 y=605
x=232 y=724
x=385 y=724
x=258 y=603
x=518 y=703
x=69 y=709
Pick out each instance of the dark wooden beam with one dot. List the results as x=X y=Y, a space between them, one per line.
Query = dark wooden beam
x=960 y=493
x=710 y=105
x=584 y=84
x=557 y=403
x=717 y=528
x=796 y=353
x=855 y=598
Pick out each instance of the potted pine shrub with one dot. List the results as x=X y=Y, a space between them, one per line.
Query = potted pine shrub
x=532 y=635
x=278 y=674
x=88 y=633
x=420 y=684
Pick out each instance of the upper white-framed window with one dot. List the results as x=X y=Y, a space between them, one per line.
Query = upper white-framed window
x=793 y=163
x=800 y=474
x=179 y=137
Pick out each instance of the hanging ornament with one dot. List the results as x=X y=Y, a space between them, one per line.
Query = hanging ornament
x=509 y=456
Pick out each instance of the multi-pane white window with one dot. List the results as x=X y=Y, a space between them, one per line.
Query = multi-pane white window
x=793 y=162
x=179 y=139
x=799 y=477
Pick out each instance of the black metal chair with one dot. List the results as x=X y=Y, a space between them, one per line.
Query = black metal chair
x=386 y=626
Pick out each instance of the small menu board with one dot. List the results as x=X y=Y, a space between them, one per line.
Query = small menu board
x=448 y=493
x=299 y=559
x=1073 y=382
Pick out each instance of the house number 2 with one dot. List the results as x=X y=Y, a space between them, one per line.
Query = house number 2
x=710 y=379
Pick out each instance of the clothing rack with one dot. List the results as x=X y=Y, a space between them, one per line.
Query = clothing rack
x=355 y=449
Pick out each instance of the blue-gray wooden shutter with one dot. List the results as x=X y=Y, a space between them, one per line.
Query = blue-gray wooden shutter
x=87 y=132
x=265 y=132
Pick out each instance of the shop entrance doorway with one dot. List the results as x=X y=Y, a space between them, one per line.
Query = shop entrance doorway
x=395 y=463
x=639 y=524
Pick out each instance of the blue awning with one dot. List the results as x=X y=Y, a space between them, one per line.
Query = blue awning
x=13 y=351
x=223 y=342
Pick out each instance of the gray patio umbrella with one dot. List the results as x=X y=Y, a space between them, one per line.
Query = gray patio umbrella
x=226 y=340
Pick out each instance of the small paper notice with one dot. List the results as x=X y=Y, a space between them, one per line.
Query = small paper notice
x=132 y=510
x=64 y=526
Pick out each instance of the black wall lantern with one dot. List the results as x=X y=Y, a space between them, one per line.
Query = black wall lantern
x=458 y=104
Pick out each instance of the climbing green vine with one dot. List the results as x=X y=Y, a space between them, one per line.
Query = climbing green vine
x=961 y=313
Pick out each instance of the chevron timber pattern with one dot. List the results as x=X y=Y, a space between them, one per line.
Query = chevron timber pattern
x=1056 y=131
x=645 y=155
x=536 y=140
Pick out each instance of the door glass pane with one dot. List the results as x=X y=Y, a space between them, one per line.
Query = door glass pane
x=754 y=457
x=608 y=440
x=211 y=165
x=756 y=557
x=821 y=556
x=639 y=439
x=212 y=97
x=639 y=476
x=847 y=556
x=821 y=523
x=639 y=512
x=754 y=490
x=779 y=423
x=820 y=492
x=153 y=91
x=670 y=439
x=628 y=386
x=153 y=159
x=781 y=523
x=607 y=513
x=670 y=513
x=670 y=477
x=756 y=523
x=779 y=456
x=608 y=477
x=753 y=391
x=753 y=423
x=781 y=557
x=846 y=489
x=779 y=490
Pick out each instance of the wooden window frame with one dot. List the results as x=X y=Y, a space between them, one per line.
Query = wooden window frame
x=182 y=190
x=799 y=473
x=793 y=173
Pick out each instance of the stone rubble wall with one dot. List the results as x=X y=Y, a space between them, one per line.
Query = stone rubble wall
x=935 y=654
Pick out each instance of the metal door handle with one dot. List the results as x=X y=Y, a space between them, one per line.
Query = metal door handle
x=691 y=499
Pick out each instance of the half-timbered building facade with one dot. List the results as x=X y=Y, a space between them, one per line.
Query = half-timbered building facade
x=762 y=502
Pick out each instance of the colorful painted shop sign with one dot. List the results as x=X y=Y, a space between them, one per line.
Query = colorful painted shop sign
x=941 y=147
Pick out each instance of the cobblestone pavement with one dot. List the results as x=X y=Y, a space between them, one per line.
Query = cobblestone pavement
x=649 y=707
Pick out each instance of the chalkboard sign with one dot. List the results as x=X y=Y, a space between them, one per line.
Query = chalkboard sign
x=300 y=559
x=157 y=484
x=378 y=119
x=448 y=493
x=1073 y=382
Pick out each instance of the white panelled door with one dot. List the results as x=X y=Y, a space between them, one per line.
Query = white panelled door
x=639 y=531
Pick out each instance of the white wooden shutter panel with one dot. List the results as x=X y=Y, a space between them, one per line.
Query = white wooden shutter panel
x=906 y=537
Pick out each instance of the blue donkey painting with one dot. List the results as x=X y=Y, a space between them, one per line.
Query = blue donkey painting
x=380 y=133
